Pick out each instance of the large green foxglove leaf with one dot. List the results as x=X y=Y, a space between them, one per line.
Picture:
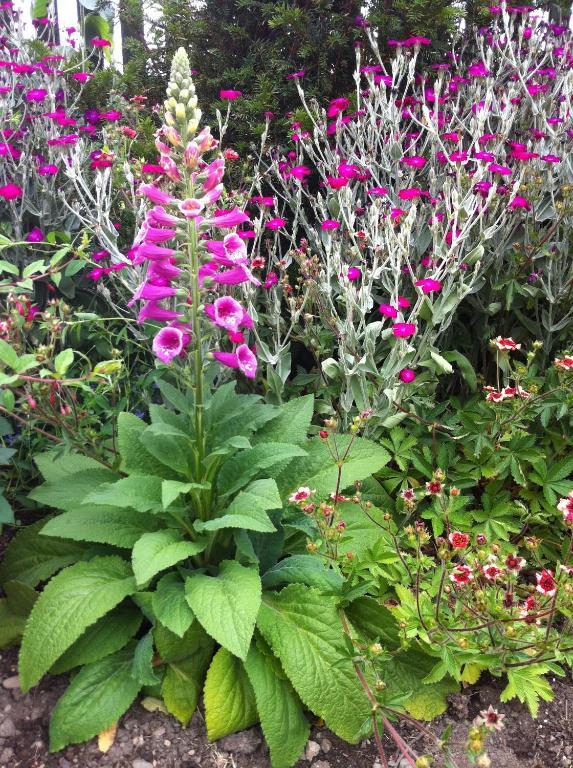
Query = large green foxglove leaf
x=12 y=625
x=55 y=467
x=291 y=424
x=230 y=704
x=187 y=660
x=142 y=492
x=96 y=698
x=285 y=727
x=303 y=569
x=374 y=621
x=245 y=465
x=32 y=557
x=248 y=510
x=170 y=446
x=104 y=525
x=68 y=493
x=319 y=471
x=108 y=635
x=303 y=628
x=154 y=552
x=142 y=667
x=135 y=458
x=170 y=606
x=227 y=604
x=72 y=601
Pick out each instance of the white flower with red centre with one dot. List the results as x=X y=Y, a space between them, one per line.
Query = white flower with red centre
x=300 y=495
x=491 y=572
x=514 y=563
x=491 y=718
x=434 y=487
x=495 y=397
x=459 y=540
x=462 y=574
x=511 y=392
x=505 y=345
x=546 y=583
x=565 y=363
x=408 y=495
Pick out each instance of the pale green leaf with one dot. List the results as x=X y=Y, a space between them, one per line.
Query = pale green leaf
x=154 y=552
x=229 y=699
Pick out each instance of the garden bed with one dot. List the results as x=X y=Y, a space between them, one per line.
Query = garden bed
x=152 y=740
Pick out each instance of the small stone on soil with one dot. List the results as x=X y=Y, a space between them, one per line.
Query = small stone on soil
x=311 y=751
x=11 y=682
x=243 y=743
x=7 y=728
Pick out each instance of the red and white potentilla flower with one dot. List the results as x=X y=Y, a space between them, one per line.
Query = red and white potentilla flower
x=566 y=507
x=565 y=363
x=300 y=495
x=546 y=584
x=462 y=574
x=514 y=563
x=491 y=572
x=408 y=495
x=459 y=540
x=505 y=345
x=491 y=718
x=434 y=487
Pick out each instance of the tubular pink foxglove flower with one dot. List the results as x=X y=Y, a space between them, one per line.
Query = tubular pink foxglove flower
x=148 y=251
x=155 y=194
x=213 y=174
x=228 y=313
x=227 y=219
x=168 y=344
x=151 y=310
x=152 y=292
x=158 y=216
x=243 y=359
x=191 y=207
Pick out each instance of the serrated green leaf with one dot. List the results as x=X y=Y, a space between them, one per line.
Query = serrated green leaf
x=154 y=552
x=72 y=601
x=135 y=458
x=248 y=510
x=170 y=605
x=227 y=605
x=11 y=625
x=142 y=492
x=96 y=698
x=230 y=704
x=108 y=635
x=303 y=628
x=71 y=493
x=284 y=725
x=170 y=446
x=302 y=569
x=54 y=466
x=529 y=684
x=245 y=465
x=374 y=621
x=32 y=558
x=142 y=666
x=63 y=360
x=105 y=525
x=291 y=424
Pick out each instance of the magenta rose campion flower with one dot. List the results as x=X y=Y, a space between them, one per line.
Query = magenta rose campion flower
x=11 y=191
x=403 y=330
x=328 y=224
x=229 y=94
x=407 y=375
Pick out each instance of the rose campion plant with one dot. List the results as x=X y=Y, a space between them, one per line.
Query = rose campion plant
x=393 y=209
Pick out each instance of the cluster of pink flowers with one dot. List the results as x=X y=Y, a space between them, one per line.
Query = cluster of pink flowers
x=566 y=507
x=182 y=217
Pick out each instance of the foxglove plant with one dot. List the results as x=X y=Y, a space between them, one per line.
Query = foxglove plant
x=395 y=211
x=185 y=262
